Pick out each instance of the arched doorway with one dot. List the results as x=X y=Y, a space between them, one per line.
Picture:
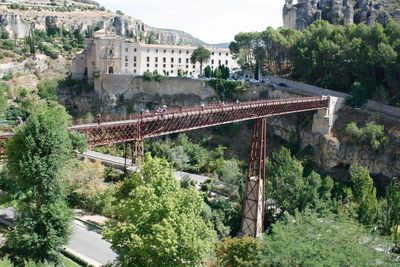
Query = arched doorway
x=110 y=70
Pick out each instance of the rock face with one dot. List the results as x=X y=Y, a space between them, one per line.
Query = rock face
x=132 y=28
x=19 y=22
x=299 y=16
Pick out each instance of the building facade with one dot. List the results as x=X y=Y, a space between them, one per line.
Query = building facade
x=107 y=53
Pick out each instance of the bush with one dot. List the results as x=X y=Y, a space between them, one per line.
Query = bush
x=244 y=251
x=226 y=89
x=372 y=134
x=47 y=89
x=147 y=76
x=358 y=96
x=7 y=77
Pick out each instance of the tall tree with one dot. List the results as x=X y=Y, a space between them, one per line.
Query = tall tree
x=201 y=55
x=290 y=189
x=364 y=193
x=159 y=223
x=390 y=211
x=36 y=153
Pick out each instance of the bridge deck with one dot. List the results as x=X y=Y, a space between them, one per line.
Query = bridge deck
x=137 y=127
x=132 y=127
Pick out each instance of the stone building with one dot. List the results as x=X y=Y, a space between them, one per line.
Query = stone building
x=108 y=53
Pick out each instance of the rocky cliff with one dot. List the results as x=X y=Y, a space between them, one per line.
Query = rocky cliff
x=299 y=16
x=18 y=20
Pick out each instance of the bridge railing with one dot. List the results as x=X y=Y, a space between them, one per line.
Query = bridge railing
x=105 y=118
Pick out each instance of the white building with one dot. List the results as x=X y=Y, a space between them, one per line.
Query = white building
x=107 y=53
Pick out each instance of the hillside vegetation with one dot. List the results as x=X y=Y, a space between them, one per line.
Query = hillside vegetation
x=334 y=57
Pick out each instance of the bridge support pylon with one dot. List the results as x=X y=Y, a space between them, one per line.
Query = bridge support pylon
x=136 y=149
x=253 y=199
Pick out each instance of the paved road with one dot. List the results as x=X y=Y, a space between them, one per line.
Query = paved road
x=91 y=244
x=118 y=162
x=85 y=242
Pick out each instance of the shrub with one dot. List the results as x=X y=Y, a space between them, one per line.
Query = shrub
x=7 y=77
x=372 y=134
x=147 y=76
x=358 y=96
x=47 y=89
x=226 y=89
x=240 y=251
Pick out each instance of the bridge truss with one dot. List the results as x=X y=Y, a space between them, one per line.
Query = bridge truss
x=134 y=129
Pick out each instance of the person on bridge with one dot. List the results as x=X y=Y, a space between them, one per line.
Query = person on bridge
x=237 y=102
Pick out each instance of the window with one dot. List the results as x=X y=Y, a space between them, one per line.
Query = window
x=148 y=70
x=172 y=65
x=134 y=64
x=156 y=65
x=194 y=66
x=148 y=50
x=156 y=50
x=220 y=54
x=126 y=64
x=164 y=59
x=187 y=61
x=126 y=49
x=110 y=70
x=156 y=59
x=134 y=59
x=165 y=51
x=227 y=54
x=212 y=61
x=148 y=59
x=180 y=51
x=173 y=51
x=172 y=60
x=180 y=60
x=110 y=52
x=172 y=71
x=187 y=66
x=134 y=71
x=187 y=52
x=126 y=58
x=148 y=65
x=164 y=66
x=134 y=49
x=212 y=53
x=219 y=62
x=226 y=62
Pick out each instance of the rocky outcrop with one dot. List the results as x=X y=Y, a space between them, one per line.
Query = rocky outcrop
x=19 y=22
x=299 y=16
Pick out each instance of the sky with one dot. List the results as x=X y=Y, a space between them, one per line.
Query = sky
x=213 y=21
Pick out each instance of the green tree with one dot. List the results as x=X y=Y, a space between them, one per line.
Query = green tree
x=245 y=251
x=201 y=55
x=364 y=193
x=47 y=89
x=358 y=95
x=3 y=98
x=208 y=72
x=311 y=240
x=285 y=180
x=159 y=223
x=389 y=215
x=291 y=190
x=36 y=153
